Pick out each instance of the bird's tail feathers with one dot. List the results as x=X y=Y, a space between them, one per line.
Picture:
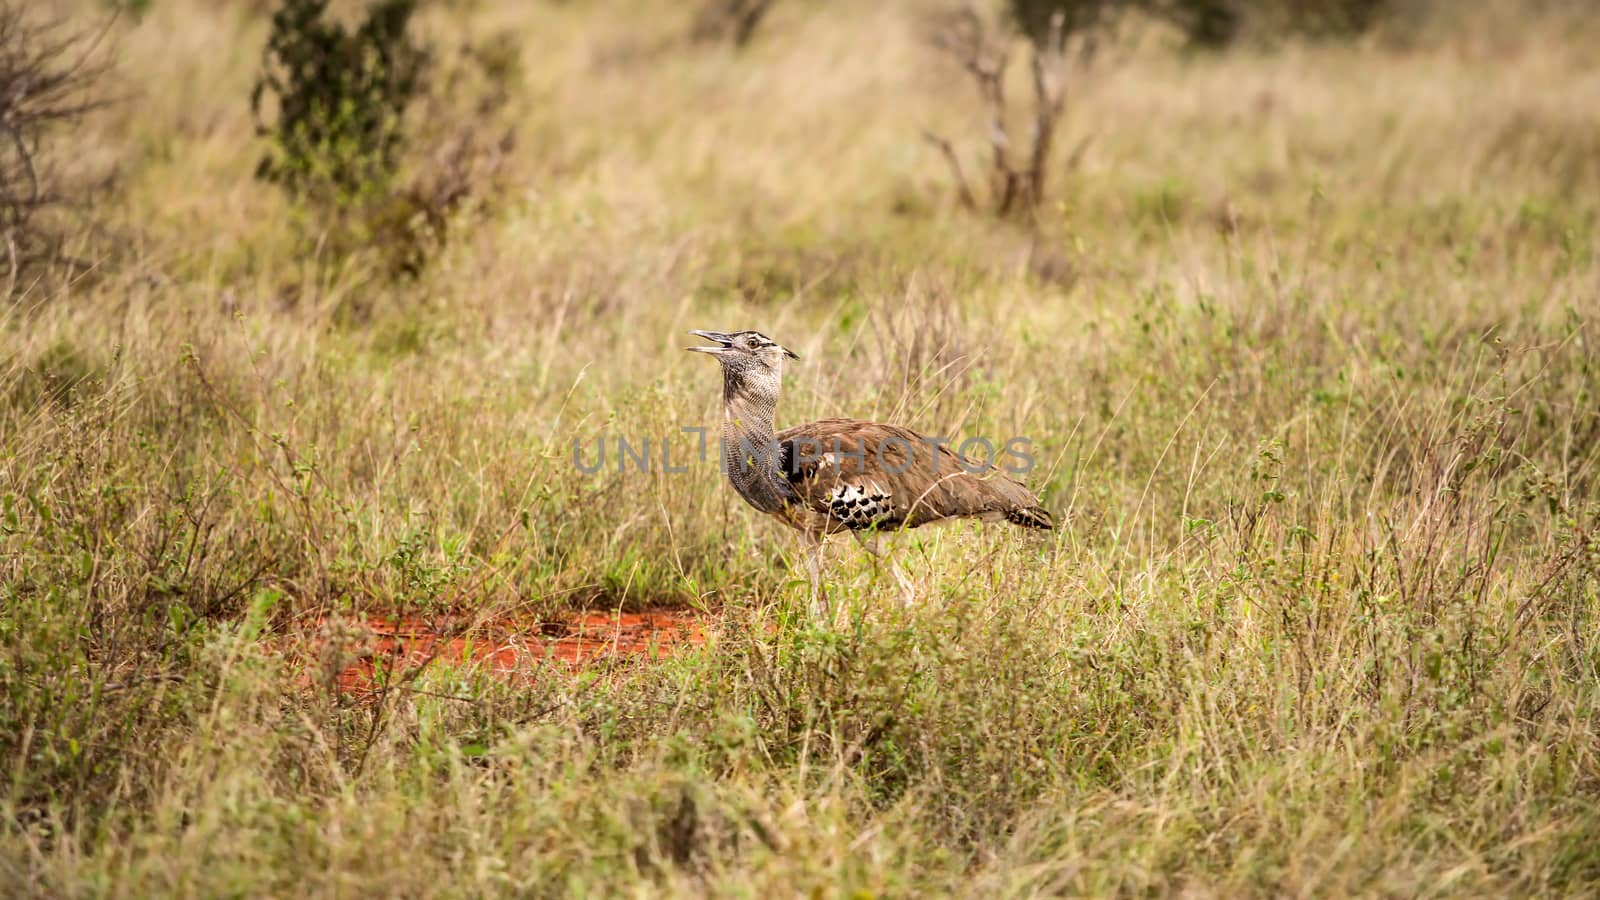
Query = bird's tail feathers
x=1031 y=517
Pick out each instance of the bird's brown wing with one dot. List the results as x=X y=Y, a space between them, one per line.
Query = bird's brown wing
x=870 y=475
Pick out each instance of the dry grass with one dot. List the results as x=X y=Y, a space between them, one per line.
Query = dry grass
x=1304 y=344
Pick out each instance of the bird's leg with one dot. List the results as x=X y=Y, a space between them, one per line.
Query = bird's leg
x=819 y=594
x=874 y=547
x=908 y=592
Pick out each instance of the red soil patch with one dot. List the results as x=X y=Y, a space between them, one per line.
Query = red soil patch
x=362 y=654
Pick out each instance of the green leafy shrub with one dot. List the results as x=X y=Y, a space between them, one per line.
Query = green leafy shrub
x=378 y=137
x=340 y=98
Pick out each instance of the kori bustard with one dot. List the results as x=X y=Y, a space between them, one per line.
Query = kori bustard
x=835 y=475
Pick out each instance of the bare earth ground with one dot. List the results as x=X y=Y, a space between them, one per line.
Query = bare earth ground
x=1304 y=342
x=364 y=656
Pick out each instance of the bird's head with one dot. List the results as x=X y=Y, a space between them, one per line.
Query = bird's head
x=752 y=363
x=744 y=350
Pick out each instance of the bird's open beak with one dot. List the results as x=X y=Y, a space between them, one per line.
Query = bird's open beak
x=724 y=341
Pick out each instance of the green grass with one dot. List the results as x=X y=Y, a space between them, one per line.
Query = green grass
x=1308 y=367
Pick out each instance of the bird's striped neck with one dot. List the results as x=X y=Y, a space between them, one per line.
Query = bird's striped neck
x=751 y=453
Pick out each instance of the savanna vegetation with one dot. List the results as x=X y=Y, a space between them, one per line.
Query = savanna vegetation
x=308 y=304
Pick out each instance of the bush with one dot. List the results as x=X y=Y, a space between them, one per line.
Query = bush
x=377 y=139
x=461 y=143
x=341 y=99
x=1034 y=16
x=1319 y=17
x=734 y=21
x=48 y=75
x=1210 y=23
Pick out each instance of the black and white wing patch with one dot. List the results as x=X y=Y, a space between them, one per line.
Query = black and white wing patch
x=860 y=506
x=853 y=499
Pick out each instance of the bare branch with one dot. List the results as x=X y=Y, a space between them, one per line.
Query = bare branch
x=963 y=189
x=48 y=75
x=1013 y=185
